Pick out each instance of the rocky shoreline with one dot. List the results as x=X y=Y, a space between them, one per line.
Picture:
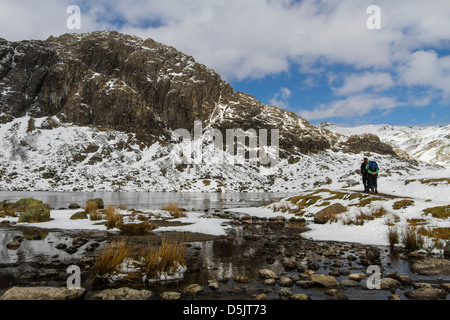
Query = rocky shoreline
x=259 y=260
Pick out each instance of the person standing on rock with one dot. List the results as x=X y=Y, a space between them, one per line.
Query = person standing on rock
x=365 y=174
x=372 y=170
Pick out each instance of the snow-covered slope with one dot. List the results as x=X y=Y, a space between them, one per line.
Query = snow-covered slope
x=48 y=155
x=427 y=144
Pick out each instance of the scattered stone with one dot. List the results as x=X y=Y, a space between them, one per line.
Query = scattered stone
x=267 y=274
x=213 y=285
x=193 y=289
x=289 y=264
x=74 y=206
x=270 y=282
x=71 y=250
x=99 y=202
x=61 y=246
x=394 y=297
x=389 y=284
x=419 y=285
x=350 y=283
x=47 y=272
x=123 y=294
x=79 y=216
x=13 y=245
x=43 y=293
x=285 y=282
x=446 y=287
x=430 y=266
x=426 y=294
x=260 y=297
x=323 y=280
x=305 y=284
x=285 y=292
x=170 y=295
x=299 y=296
x=357 y=276
x=242 y=279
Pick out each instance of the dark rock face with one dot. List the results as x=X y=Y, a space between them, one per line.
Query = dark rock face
x=133 y=85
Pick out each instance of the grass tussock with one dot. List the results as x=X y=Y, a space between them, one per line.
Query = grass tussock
x=402 y=204
x=393 y=236
x=164 y=259
x=91 y=207
x=412 y=240
x=174 y=210
x=109 y=262
x=113 y=218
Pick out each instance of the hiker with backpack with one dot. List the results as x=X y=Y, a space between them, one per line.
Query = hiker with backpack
x=372 y=170
x=365 y=174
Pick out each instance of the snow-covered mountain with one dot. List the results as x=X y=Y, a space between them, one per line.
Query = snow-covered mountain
x=99 y=112
x=428 y=144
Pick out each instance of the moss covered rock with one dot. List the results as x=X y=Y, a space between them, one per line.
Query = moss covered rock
x=33 y=211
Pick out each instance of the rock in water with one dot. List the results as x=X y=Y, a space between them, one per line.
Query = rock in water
x=43 y=293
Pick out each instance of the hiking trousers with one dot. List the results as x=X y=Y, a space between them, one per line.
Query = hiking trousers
x=373 y=182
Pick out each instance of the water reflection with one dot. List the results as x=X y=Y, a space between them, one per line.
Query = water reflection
x=149 y=200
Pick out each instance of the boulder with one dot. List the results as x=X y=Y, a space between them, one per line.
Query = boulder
x=193 y=289
x=43 y=293
x=13 y=245
x=267 y=274
x=430 y=266
x=122 y=294
x=170 y=295
x=33 y=211
x=323 y=280
x=324 y=215
x=389 y=284
x=426 y=294
x=74 y=206
x=79 y=216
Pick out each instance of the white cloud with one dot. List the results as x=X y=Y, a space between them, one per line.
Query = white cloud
x=280 y=99
x=351 y=107
x=356 y=83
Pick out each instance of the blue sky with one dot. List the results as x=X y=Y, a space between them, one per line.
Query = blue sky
x=317 y=58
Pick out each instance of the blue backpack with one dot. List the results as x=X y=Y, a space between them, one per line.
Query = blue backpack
x=373 y=166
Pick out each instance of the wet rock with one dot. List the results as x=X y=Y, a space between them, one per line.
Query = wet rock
x=349 y=283
x=426 y=294
x=285 y=282
x=323 y=280
x=47 y=272
x=313 y=266
x=299 y=296
x=213 y=285
x=267 y=274
x=394 y=297
x=430 y=266
x=270 y=282
x=242 y=279
x=61 y=246
x=305 y=284
x=43 y=293
x=170 y=295
x=357 y=276
x=389 y=284
x=419 y=285
x=123 y=294
x=78 y=242
x=260 y=297
x=71 y=250
x=193 y=289
x=289 y=264
x=285 y=292
x=13 y=245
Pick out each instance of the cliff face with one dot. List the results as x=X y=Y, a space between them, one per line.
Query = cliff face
x=132 y=85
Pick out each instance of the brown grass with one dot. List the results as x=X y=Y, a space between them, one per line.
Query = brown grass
x=393 y=236
x=412 y=240
x=174 y=210
x=165 y=258
x=90 y=207
x=112 y=217
x=108 y=263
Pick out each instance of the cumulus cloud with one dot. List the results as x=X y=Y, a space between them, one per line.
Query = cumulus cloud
x=280 y=99
x=355 y=83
